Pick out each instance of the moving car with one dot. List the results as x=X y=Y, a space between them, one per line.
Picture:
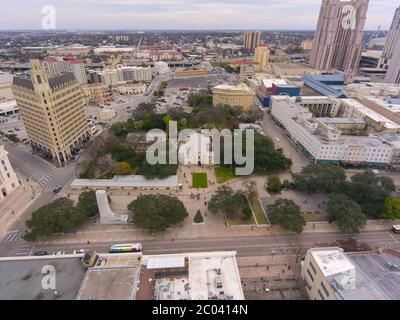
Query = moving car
x=56 y=189
x=396 y=229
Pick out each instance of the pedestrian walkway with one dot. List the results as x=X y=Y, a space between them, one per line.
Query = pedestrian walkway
x=13 y=236
x=45 y=182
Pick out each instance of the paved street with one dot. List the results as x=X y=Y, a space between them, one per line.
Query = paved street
x=249 y=246
x=283 y=141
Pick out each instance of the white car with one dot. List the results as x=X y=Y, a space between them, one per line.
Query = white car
x=79 y=251
x=278 y=140
x=59 y=253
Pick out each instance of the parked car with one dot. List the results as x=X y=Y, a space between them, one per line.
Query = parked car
x=79 y=251
x=59 y=253
x=41 y=253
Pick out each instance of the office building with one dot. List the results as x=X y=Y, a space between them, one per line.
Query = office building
x=240 y=95
x=137 y=74
x=53 y=66
x=322 y=141
x=262 y=59
x=393 y=72
x=6 y=80
x=52 y=111
x=307 y=45
x=96 y=93
x=392 y=41
x=338 y=40
x=252 y=40
x=8 y=178
x=332 y=274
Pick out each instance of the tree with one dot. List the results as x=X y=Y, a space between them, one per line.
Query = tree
x=320 y=178
x=57 y=217
x=392 y=208
x=370 y=192
x=220 y=200
x=287 y=214
x=87 y=204
x=160 y=171
x=122 y=168
x=274 y=184
x=198 y=218
x=156 y=213
x=346 y=214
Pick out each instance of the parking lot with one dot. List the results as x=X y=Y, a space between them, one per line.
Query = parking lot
x=13 y=125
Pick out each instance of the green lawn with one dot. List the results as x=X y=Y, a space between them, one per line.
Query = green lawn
x=315 y=217
x=234 y=221
x=257 y=209
x=224 y=174
x=199 y=180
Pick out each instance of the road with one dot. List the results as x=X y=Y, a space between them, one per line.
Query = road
x=37 y=169
x=272 y=130
x=248 y=246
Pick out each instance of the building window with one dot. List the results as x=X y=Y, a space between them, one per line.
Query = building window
x=313 y=268
x=325 y=290
x=320 y=295
x=310 y=275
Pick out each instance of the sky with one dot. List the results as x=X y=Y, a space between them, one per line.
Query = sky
x=180 y=14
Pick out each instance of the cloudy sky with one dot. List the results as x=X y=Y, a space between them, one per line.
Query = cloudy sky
x=180 y=14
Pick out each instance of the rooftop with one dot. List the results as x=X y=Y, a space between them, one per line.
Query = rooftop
x=109 y=284
x=127 y=181
x=21 y=278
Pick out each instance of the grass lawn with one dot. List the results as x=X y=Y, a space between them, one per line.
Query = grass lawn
x=199 y=180
x=257 y=209
x=224 y=174
x=315 y=217
x=236 y=221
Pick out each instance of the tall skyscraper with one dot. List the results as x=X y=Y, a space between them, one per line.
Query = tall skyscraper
x=393 y=41
x=262 y=58
x=338 y=40
x=393 y=72
x=52 y=112
x=252 y=40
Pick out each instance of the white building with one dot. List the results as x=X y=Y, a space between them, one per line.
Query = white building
x=77 y=67
x=137 y=74
x=161 y=68
x=8 y=107
x=196 y=150
x=331 y=274
x=8 y=178
x=326 y=144
x=104 y=50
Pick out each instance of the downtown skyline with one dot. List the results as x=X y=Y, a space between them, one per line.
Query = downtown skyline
x=183 y=15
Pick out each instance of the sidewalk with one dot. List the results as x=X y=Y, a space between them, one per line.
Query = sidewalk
x=15 y=204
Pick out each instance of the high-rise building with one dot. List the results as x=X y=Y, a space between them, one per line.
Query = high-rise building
x=262 y=59
x=52 y=112
x=337 y=43
x=393 y=73
x=8 y=178
x=393 y=41
x=252 y=40
x=77 y=67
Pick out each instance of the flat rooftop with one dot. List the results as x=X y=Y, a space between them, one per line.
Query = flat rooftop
x=109 y=283
x=127 y=181
x=21 y=278
x=332 y=261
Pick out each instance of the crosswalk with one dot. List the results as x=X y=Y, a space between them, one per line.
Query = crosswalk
x=45 y=181
x=23 y=250
x=13 y=236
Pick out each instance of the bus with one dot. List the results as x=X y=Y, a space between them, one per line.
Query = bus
x=396 y=229
x=123 y=248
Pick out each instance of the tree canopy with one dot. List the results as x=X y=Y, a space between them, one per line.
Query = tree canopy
x=274 y=184
x=60 y=216
x=287 y=214
x=155 y=213
x=392 y=208
x=346 y=214
x=320 y=178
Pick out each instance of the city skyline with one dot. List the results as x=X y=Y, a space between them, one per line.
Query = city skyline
x=178 y=14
